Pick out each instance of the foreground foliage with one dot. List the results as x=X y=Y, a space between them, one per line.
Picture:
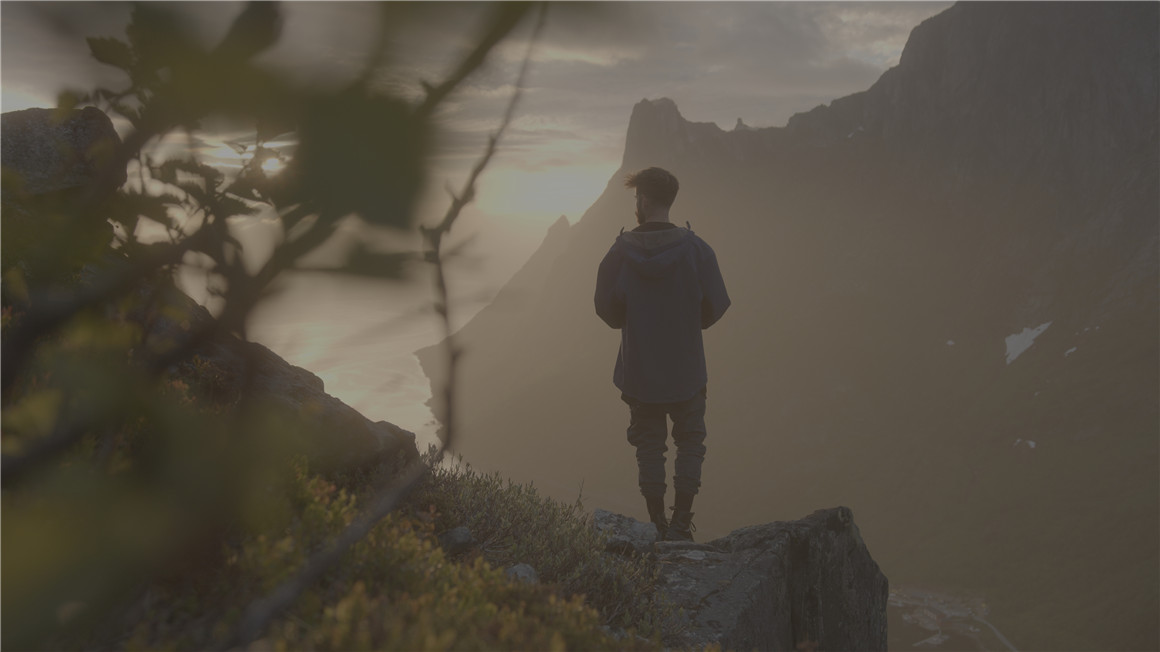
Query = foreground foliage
x=396 y=589
x=513 y=524
x=139 y=494
x=149 y=501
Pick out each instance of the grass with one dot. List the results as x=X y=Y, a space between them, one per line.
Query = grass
x=397 y=589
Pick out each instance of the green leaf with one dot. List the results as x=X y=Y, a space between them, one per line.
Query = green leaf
x=255 y=29
x=67 y=100
x=112 y=52
x=34 y=416
x=158 y=37
x=361 y=153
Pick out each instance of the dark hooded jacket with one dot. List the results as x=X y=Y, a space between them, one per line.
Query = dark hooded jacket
x=660 y=288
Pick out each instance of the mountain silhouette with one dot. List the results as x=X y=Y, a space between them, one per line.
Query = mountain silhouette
x=945 y=315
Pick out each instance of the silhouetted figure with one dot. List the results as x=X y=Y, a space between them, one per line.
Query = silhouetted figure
x=660 y=285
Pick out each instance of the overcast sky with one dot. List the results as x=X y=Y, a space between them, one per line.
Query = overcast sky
x=761 y=62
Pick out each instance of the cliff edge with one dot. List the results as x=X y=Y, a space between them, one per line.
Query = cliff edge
x=804 y=584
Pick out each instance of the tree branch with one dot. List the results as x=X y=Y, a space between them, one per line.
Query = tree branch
x=50 y=312
x=259 y=614
x=504 y=18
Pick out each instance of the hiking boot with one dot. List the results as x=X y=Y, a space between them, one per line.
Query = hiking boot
x=656 y=514
x=662 y=525
x=681 y=528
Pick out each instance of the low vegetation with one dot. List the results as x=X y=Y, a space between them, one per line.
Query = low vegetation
x=148 y=502
x=397 y=589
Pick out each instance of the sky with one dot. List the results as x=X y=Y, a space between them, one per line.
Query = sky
x=760 y=62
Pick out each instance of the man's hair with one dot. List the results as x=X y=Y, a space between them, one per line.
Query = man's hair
x=658 y=184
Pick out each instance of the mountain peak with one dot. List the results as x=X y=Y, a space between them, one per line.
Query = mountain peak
x=1011 y=92
x=653 y=125
x=659 y=135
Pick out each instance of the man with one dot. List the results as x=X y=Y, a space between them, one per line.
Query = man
x=660 y=285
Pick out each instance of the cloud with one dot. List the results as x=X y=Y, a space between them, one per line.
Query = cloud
x=762 y=62
x=758 y=61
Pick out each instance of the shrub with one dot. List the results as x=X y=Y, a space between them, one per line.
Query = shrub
x=396 y=589
x=514 y=524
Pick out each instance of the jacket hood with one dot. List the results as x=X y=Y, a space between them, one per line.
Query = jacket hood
x=653 y=253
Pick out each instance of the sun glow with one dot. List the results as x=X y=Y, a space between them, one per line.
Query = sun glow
x=537 y=195
x=272 y=165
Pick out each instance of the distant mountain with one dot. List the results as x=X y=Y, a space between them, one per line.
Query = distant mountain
x=945 y=315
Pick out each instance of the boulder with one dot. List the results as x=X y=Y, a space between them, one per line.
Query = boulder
x=806 y=584
x=338 y=436
x=48 y=158
x=522 y=573
x=54 y=151
x=456 y=541
x=624 y=535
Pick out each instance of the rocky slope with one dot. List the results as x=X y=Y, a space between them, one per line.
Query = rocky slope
x=44 y=157
x=944 y=316
x=804 y=584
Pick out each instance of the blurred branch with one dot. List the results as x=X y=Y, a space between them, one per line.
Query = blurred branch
x=435 y=235
x=49 y=312
x=505 y=17
x=259 y=614
x=256 y=28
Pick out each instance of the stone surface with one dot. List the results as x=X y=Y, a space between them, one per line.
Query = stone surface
x=47 y=160
x=522 y=573
x=806 y=584
x=336 y=435
x=625 y=535
x=456 y=541
x=54 y=154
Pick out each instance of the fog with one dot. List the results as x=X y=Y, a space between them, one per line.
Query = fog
x=566 y=142
x=1016 y=466
x=945 y=320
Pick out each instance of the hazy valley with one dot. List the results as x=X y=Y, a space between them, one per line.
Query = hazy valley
x=944 y=317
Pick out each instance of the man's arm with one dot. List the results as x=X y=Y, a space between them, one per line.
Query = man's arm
x=609 y=302
x=714 y=298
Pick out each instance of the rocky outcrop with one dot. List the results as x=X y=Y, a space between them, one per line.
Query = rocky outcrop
x=806 y=584
x=522 y=573
x=624 y=535
x=54 y=151
x=337 y=437
x=47 y=159
x=457 y=541
x=1086 y=102
x=50 y=156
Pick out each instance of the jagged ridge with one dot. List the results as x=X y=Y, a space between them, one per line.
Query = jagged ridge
x=1004 y=177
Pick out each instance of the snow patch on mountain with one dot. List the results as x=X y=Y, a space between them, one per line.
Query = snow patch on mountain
x=1020 y=342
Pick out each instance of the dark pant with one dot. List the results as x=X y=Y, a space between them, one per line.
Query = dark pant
x=648 y=432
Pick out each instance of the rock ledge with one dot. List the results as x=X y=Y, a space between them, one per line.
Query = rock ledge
x=805 y=584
